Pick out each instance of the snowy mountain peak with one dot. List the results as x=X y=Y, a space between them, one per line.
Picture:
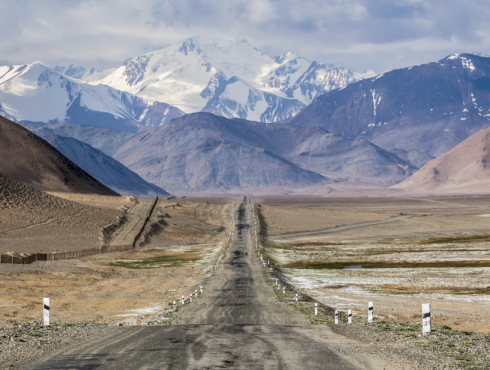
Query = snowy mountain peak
x=193 y=73
x=71 y=71
x=36 y=93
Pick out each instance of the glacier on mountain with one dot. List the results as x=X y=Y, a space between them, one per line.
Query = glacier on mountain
x=190 y=75
x=36 y=93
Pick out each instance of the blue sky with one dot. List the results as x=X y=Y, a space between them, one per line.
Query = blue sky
x=360 y=34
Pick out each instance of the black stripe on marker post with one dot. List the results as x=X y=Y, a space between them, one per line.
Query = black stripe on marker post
x=46 y=307
x=371 y=308
x=426 y=315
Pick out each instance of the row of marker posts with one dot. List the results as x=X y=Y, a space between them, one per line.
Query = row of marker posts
x=426 y=324
x=183 y=299
x=47 y=308
x=426 y=318
x=190 y=298
x=215 y=267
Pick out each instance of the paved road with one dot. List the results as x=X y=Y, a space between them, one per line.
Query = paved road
x=342 y=228
x=237 y=323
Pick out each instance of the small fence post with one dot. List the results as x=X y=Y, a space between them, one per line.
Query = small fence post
x=371 y=312
x=175 y=308
x=201 y=289
x=46 y=308
x=196 y=293
x=336 y=317
x=349 y=320
x=316 y=309
x=182 y=300
x=426 y=327
x=296 y=297
x=190 y=298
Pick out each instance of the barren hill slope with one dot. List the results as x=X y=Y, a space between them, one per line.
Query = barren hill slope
x=34 y=221
x=466 y=165
x=104 y=168
x=30 y=160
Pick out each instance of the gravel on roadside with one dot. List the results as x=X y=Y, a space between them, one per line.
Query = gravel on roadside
x=22 y=344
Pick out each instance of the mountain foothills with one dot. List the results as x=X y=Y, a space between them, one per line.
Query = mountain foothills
x=465 y=168
x=104 y=168
x=34 y=93
x=428 y=108
x=30 y=160
x=205 y=153
x=227 y=77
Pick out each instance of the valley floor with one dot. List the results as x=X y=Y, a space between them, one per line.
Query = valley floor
x=410 y=250
x=395 y=252
x=181 y=242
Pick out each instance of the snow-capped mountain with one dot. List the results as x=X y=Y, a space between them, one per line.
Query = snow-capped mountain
x=36 y=93
x=425 y=109
x=224 y=76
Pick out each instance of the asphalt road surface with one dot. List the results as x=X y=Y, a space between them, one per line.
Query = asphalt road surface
x=237 y=324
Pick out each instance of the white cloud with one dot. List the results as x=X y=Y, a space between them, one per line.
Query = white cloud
x=377 y=34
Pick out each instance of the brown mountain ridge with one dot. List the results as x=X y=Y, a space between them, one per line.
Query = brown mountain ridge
x=465 y=168
x=32 y=161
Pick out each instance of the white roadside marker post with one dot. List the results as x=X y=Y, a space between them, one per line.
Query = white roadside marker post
x=336 y=317
x=182 y=300
x=196 y=293
x=283 y=290
x=201 y=289
x=190 y=299
x=349 y=321
x=426 y=327
x=175 y=306
x=371 y=312
x=46 y=311
x=276 y=281
x=296 y=297
x=316 y=309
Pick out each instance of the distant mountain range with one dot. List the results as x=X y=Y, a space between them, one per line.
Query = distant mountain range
x=204 y=153
x=260 y=122
x=428 y=108
x=35 y=93
x=226 y=76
